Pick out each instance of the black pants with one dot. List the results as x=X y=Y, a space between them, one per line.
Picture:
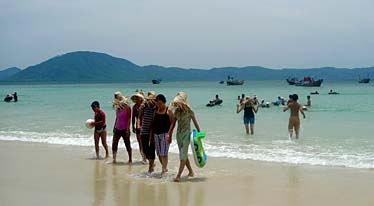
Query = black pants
x=148 y=148
x=117 y=134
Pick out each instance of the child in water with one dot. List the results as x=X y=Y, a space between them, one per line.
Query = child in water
x=100 y=128
x=183 y=114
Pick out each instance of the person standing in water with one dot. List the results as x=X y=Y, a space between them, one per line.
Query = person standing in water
x=294 y=121
x=100 y=128
x=144 y=123
x=249 y=113
x=15 y=97
x=308 y=102
x=138 y=99
x=121 y=125
x=183 y=114
x=162 y=119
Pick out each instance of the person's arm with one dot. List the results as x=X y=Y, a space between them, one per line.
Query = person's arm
x=151 y=127
x=133 y=120
x=195 y=122
x=128 y=117
x=140 y=117
x=286 y=108
x=239 y=108
x=171 y=118
x=301 y=110
x=255 y=109
x=172 y=125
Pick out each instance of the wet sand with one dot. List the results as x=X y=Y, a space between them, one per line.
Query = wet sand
x=45 y=174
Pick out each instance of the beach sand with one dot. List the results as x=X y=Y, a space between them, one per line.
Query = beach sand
x=45 y=174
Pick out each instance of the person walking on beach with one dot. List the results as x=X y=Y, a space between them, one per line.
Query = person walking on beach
x=100 y=128
x=162 y=119
x=138 y=99
x=144 y=123
x=249 y=113
x=294 y=121
x=183 y=114
x=121 y=125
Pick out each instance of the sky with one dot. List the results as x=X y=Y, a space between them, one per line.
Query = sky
x=192 y=33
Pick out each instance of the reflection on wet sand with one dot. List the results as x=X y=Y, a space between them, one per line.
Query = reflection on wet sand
x=100 y=182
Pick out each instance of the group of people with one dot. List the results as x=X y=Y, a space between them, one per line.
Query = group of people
x=153 y=122
x=251 y=106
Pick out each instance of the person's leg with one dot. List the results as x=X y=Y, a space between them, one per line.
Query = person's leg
x=115 y=145
x=190 y=172
x=152 y=156
x=96 y=138
x=103 y=141
x=126 y=139
x=252 y=124
x=145 y=145
x=164 y=162
x=182 y=163
x=297 y=128
x=139 y=139
x=246 y=128
x=290 y=127
x=246 y=122
x=164 y=146
x=183 y=155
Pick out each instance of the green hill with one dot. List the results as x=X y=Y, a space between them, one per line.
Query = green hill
x=85 y=66
x=6 y=73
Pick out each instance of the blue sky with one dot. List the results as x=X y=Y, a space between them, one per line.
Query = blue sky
x=193 y=33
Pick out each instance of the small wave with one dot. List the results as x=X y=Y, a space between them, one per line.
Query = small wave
x=280 y=151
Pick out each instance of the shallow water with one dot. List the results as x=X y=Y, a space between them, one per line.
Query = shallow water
x=338 y=129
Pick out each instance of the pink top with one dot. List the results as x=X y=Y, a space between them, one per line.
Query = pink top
x=122 y=122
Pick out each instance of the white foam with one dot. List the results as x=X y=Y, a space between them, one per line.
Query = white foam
x=281 y=151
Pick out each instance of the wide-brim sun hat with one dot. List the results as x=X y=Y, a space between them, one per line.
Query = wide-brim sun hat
x=151 y=95
x=119 y=100
x=137 y=95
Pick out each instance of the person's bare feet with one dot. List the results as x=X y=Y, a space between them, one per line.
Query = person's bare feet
x=177 y=179
x=191 y=174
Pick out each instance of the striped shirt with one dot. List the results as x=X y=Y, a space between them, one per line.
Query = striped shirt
x=147 y=110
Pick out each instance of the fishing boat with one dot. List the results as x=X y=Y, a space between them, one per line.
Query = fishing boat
x=309 y=82
x=156 y=81
x=231 y=81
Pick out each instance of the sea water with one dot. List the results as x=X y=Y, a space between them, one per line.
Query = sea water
x=338 y=129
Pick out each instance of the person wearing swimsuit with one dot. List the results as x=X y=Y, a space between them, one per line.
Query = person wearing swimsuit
x=100 y=129
x=249 y=113
x=294 y=121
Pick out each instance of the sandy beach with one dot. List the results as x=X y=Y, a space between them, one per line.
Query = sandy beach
x=45 y=174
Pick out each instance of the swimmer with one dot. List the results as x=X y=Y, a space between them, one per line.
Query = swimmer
x=294 y=121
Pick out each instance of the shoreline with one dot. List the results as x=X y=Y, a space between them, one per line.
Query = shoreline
x=41 y=174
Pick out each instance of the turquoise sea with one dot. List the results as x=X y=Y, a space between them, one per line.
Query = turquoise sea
x=338 y=130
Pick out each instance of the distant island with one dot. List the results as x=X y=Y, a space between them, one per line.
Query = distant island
x=86 y=66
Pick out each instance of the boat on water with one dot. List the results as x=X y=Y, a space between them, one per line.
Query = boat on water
x=292 y=80
x=221 y=82
x=308 y=82
x=364 y=80
x=231 y=81
x=156 y=81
